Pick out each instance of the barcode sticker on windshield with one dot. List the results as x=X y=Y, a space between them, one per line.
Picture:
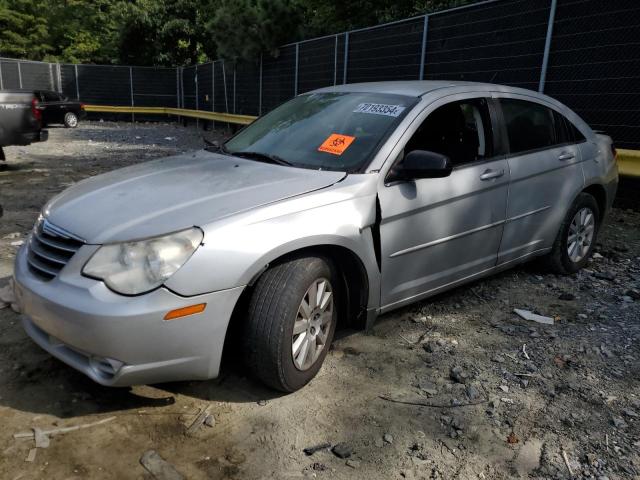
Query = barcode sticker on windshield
x=380 y=109
x=336 y=144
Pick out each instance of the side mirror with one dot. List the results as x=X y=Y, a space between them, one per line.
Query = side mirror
x=422 y=164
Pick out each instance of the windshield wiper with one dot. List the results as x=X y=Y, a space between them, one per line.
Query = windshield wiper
x=262 y=157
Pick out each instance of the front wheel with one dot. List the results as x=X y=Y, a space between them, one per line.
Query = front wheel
x=577 y=236
x=70 y=120
x=290 y=322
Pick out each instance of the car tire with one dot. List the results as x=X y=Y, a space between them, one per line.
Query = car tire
x=70 y=120
x=281 y=300
x=577 y=236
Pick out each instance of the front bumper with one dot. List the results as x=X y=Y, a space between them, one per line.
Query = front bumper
x=118 y=340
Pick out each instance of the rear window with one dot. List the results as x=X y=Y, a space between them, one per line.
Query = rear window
x=530 y=126
x=328 y=131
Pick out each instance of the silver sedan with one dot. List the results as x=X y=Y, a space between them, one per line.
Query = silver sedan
x=341 y=204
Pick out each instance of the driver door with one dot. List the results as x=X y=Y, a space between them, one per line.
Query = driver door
x=438 y=231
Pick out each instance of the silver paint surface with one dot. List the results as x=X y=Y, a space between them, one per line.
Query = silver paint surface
x=434 y=234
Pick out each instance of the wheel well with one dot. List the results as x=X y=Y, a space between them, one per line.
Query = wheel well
x=353 y=306
x=353 y=277
x=599 y=193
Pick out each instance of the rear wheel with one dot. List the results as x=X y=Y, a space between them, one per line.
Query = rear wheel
x=577 y=236
x=290 y=322
x=70 y=120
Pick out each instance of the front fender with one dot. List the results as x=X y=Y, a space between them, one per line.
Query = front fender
x=235 y=252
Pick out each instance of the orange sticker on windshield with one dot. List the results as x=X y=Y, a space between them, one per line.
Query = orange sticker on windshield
x=336 y=144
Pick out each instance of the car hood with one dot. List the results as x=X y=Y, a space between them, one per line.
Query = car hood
x=175 y=193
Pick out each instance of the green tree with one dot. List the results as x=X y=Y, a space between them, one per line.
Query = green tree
x=155 y=32
x=242 y=29
x=23 y=33
x=322 y=17
x=182 y=32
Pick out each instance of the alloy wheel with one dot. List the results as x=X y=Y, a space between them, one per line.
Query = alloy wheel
x=581 y=234
x=313 y=324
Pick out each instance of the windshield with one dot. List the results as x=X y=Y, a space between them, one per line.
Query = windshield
x=328 y=131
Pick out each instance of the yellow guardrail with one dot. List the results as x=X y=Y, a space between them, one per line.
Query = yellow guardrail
x=182 y=112
x=628 y=160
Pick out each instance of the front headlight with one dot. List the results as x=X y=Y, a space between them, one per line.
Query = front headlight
x=132 y=268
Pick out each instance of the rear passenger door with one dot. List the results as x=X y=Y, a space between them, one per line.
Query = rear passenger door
x=545 y=176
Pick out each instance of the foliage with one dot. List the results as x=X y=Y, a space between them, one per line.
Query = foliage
x=242 y=29
x=182 y=32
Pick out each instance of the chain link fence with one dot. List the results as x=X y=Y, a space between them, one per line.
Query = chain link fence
x=586 y=53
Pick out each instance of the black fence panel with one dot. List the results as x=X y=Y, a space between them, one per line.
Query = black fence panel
x=247 y=88
x=68 y=81
x=154 y=87
x=37 y=76
x=594 y=65
x=104 y=85
x=317 y=64
x=10 y=74
x=220 y=97
x=278 y=78
x=390 y=52
x=189 y=87
x=501 y=42
x=203 y=87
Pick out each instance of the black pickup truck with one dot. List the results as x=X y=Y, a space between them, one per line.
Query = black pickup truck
x=20 y=119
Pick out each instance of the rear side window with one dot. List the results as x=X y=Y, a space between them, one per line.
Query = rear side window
x=530 y=126
x=50 y=97
x=570 y=133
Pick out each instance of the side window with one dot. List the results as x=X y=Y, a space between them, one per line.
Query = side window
x=460 y=130
x=530 y=126
x=574 y=134
x=50 y=97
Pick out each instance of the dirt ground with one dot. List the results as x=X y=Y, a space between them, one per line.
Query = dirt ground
x=502 y=397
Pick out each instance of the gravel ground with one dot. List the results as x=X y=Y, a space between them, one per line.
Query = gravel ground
x=487 y=395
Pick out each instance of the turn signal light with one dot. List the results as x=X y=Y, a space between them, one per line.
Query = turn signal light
x=185 y=311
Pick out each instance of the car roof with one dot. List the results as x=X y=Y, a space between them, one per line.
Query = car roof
x=417 y=88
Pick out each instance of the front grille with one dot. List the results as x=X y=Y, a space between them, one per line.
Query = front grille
x=49 y=249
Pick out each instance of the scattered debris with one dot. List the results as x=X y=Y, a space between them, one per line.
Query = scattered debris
x=42 y=440
x=420 y=403
x=566 y=462
x=58 y=431
x=352 y=463
x=158 y=467
x=342 y=450
x=512 y=438
x=533 y=317
x=210 y=421
x=31 y=456
x=199 y=420
x=459 y=375
x=316 y=448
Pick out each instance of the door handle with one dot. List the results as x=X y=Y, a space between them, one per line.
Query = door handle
x=566 y=156
x=489 y=174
